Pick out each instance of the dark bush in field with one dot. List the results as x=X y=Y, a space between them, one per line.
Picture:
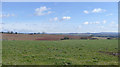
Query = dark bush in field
x=65 y=38
x=15 y=32
x=83 y=38
x=34 y=33
x=31 y=33
x=109 y=38
x=94 y=38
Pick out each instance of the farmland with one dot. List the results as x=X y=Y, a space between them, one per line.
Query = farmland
x=60 y=52
x=59 y=33
x=50 y=37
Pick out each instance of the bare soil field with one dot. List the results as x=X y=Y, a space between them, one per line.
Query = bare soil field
x=36 y=37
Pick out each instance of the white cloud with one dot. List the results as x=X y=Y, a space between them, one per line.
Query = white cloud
x=97 y=10
x=61 y=19
x=104 y=21
x=66 y=18
x=86 y=23
x=42 y=11
x=97 y=22
x=54 y=19
x=35 y=27
x=6 y=15
x=86 y=12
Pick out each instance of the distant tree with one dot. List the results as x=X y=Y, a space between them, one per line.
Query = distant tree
x=91 y=35
x=8 y=32
x=38 y=33
x=43 y=32
x=34 y=33
x=31 y=33
x=65 y=38
x=15 y=32
x=109 y=38
x=11 y=32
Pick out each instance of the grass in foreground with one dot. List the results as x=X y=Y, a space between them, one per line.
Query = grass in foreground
x=66 y=52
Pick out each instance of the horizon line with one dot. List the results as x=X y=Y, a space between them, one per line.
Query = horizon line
x=58 y=32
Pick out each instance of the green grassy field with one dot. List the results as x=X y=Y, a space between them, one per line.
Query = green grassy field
x=65 y=52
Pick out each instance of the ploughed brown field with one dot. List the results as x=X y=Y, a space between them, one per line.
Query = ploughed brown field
x=37 y=37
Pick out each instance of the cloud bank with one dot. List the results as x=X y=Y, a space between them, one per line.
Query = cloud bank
x=42 y=11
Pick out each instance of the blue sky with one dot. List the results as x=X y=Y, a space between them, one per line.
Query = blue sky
x=60 y=17
x=60 y=0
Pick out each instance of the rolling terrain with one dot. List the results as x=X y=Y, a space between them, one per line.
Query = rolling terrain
x=24 y=49
x=37 y=37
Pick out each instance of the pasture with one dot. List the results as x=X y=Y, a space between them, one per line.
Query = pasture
x=61 y=52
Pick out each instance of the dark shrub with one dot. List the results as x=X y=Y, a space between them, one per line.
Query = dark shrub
x=109 y=38
x=65 y=38
x=11 y=32
x=15 y=32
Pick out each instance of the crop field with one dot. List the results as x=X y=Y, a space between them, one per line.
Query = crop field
x=36 y=37
x=61 y=52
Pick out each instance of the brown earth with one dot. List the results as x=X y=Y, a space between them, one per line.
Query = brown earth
x=36 y=37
